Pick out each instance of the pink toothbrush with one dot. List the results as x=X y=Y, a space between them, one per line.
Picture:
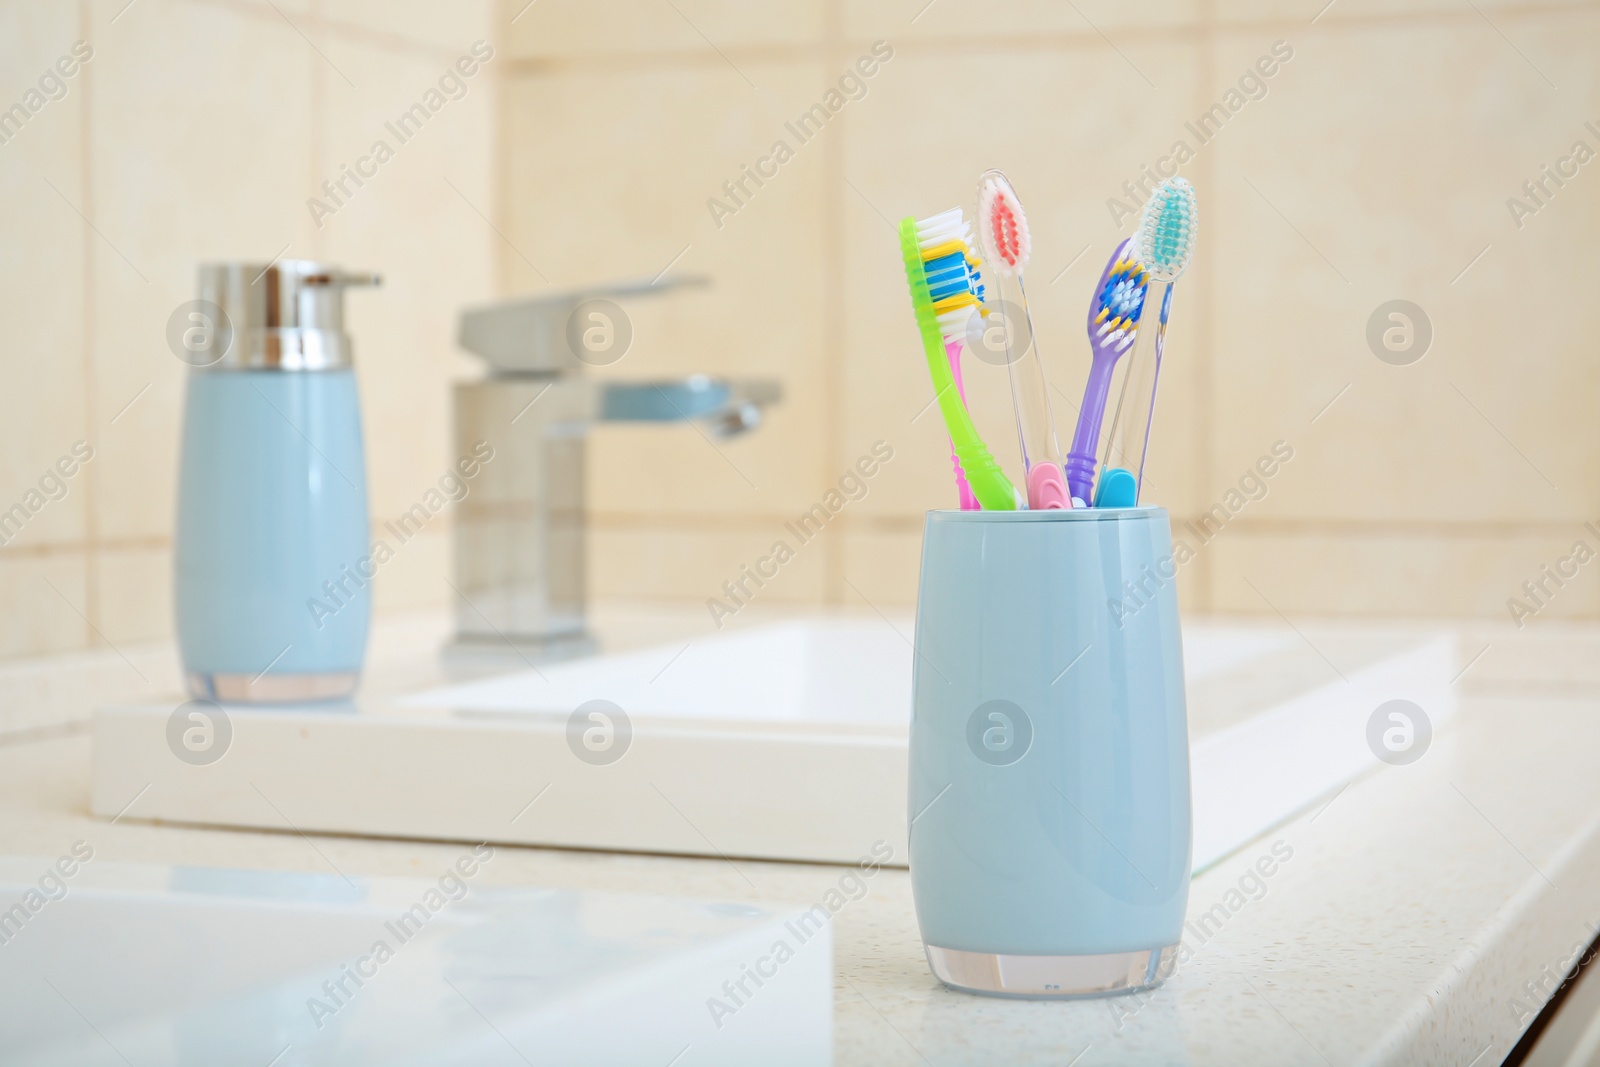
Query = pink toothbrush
x=1004 y=230
x=969 y=502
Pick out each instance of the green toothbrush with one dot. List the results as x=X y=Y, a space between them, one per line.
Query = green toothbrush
x=934 y=247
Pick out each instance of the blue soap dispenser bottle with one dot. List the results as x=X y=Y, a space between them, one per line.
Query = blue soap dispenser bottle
x=272 y=595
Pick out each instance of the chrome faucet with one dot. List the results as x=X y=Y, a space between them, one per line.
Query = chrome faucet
x=520 y=532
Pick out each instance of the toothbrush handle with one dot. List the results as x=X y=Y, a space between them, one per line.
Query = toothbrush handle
x=969 y=502
x=1155 y=382
x=1036 y=426
x=1080 y=464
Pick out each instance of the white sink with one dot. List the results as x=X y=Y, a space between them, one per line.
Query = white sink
x=818 y=671
x=786 y=741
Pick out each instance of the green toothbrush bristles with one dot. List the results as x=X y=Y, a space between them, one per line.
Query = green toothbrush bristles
x=1165 y=241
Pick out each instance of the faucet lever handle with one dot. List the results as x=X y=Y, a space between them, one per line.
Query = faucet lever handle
x=344 y=278
x=528 y=335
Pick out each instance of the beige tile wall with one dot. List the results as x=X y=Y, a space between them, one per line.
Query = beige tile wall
x=1377 y=166
x=197 y=131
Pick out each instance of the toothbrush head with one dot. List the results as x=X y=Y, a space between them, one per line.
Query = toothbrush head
x=1165 y=241
x=1002 y=226
x=1118 y=302
x=954 y=283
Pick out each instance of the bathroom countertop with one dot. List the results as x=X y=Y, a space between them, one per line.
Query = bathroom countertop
x=1410 y=918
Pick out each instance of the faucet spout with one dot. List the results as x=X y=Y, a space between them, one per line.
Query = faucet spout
x=727 y=407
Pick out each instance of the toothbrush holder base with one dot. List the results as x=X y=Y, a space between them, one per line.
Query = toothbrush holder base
x=272 y=688
x=998 y=974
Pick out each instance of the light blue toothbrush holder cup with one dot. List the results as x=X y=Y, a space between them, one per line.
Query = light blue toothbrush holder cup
x=1049 y=781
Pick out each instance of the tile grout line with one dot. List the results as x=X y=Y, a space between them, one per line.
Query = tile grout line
x=745 y=521
x=91 y=510
x=384 y=41
x=500 y=160
x=1205 y=391
x=833 y=305
x=318 y=98
x=899 y=524
x=1437 y=18
x=1206 y=26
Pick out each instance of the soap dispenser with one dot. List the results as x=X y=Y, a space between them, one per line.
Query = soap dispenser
x=271 y=561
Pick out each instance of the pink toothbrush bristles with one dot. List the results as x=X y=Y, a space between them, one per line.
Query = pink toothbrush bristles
x=1005 y=233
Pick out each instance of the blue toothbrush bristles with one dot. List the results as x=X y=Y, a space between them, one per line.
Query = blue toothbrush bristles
x=1122 y=303
x=947 y=276
x=951 y=274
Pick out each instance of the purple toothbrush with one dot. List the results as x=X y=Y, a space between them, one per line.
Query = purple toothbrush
x=1113 y=324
